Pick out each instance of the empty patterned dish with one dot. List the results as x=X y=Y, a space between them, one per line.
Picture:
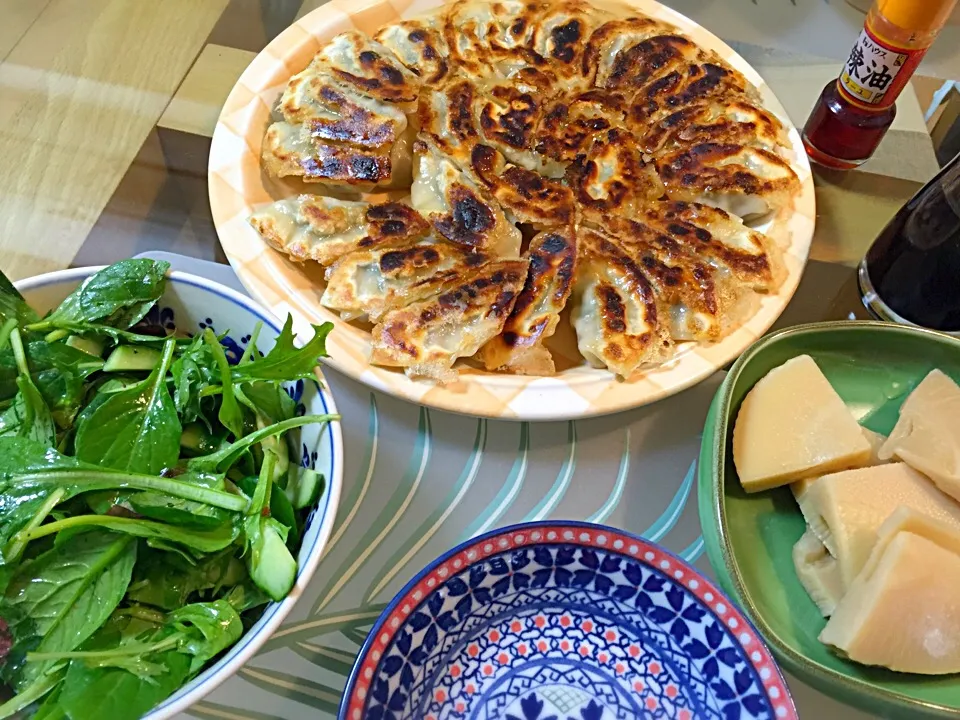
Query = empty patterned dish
x=563 y=621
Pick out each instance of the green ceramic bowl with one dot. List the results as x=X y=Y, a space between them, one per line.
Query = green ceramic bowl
x=749 y=538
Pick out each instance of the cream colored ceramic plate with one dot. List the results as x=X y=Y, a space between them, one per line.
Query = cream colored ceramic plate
x=237 y=186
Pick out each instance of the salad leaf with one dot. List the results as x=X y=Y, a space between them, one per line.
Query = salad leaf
x=93 y=693
x=31 y=476
x=119 y=296
x=177 y=511
x=12 y=304
x=135 y=429
x=31 y=694
x=167 y=582
x=285 y=362
x=87 y=329
x=223 y=459
x=269 y=562
x=69 y=592
x=267 y=399
x=50 y=708
x=193 y=370
x=207 y=629
x=230 y=413
x=206 y=541
x=57 y=370
x=246 y=596
x=136 y=542
x=29 y=416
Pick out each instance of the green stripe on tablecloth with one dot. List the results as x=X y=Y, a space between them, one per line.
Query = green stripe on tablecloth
x=428 y=528
x=492 y=513
x=388 y=517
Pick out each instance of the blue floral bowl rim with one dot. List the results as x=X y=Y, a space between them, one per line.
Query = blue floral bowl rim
x=275 y=613
x=523 y=527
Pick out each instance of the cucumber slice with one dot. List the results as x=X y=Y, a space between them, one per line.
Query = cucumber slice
x=87 y=345
x=127 y=358
x=195 y=440
x=272 y=567
x=281 y=508
x=309 y=487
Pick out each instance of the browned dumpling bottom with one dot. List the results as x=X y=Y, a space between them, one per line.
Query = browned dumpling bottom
x=563 y=160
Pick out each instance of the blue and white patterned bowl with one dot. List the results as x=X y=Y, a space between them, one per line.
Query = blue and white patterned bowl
x=563 y=621
x=189 y=304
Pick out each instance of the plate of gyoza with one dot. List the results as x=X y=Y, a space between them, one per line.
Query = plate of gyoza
x=519 y=209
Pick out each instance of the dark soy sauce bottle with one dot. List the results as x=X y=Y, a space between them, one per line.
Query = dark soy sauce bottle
x=911 y=273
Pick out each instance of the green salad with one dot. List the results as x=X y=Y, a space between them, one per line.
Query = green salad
x=149 y=503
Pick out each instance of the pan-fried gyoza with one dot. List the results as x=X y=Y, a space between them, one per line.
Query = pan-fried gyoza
x=563 y=159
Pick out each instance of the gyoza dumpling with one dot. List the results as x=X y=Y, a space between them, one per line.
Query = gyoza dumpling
x=458 y=208
x=420 y=46
x=344 y=118
x=484 y=36
x=568 y=124
x=560 y=36
x=289 y=150
x=313 y=227
x=610 y=176
x=692 y=299
x=610 y=39
x=743 y=180
x=686 y=85
x=718 y=121
x=332 y=113
x=615 y=310
x=371 y=282
x=721 y=239
x=519 y=348
x=507 y=114
x=426 y=338
x=368 y=68
x=650 y=59
x=446 y=118
x=525 y=195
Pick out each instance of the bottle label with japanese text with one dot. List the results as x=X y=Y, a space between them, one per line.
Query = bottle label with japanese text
x=877 y=71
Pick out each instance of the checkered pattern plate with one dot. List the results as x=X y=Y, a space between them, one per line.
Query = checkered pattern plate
x=238 y=186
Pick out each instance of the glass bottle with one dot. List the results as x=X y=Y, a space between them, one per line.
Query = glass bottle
x=911 y=273
x=855 y=111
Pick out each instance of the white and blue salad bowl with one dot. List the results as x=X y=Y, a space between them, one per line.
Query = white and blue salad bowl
x=189 y=305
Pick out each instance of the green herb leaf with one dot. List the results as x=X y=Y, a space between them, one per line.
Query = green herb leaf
x=50 y=708
x=223 y=459
x=119 y=295
x=230 y=413
x=246 y=596
x=31 y=694
x=207 y=629
x=29 y=416
x=57 y=370
x=87 y=329
x=167 y=582
x=69 y=592
x=285 y=362
x=205 y=541
x=136 y=429
x=12 y=304
x=178 y=511
x=93 y=693
x=194 y=370
x=30 y=474
x=268 y=399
